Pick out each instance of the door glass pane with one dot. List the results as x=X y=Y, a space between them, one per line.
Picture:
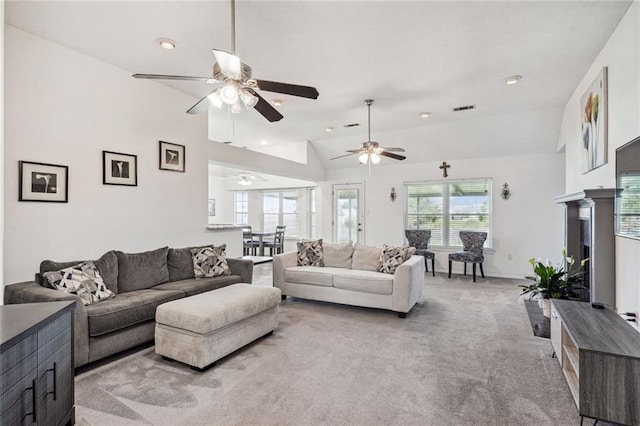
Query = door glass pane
x=346 y=215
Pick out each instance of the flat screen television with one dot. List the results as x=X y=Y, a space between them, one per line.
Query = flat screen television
x=627 y=208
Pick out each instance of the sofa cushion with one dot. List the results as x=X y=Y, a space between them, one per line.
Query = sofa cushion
x=127 y=309
x=310 y=253
x=138 y=271
x=199 y=285
x=180 y=262
x=209 y=262
x=107 y=264
x=363 y=281
x=365 y=258
x=337 y=255
x=83 y=280
x=392 y=257
x=312 y=275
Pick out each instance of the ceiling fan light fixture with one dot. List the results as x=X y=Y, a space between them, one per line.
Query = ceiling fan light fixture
x=236 y=108
x=229 y=93
x=248 y=99
x=244 y=181
x=375 y=158
x=425 y=114
x=277 y=102
x=364 y=158
x=215 y=99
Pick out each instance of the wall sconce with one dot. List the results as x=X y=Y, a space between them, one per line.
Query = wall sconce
x=506 y=192
x=392 y=194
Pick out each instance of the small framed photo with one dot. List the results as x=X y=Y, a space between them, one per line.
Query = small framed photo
x=212 y=207
x=43 y=182
x=119 y=169
x=171 y=156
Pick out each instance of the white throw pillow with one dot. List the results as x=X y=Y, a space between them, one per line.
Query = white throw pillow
x=366 y=258
x=338 y=255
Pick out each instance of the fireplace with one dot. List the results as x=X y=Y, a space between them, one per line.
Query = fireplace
x=589 y=234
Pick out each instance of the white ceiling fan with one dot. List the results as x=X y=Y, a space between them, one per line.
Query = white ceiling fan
x=370 y=151
x=244 y=178
x=237 y=90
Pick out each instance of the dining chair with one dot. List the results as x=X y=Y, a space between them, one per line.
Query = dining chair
x=249 y=245
x=419 y=238
x=472 y=242
x=277 y=245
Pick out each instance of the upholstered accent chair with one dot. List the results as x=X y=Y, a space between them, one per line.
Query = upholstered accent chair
x=277 y=245
x=419 y=238
x=473 y=243
x=249 y=245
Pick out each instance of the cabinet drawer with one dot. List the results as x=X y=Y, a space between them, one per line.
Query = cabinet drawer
x=555 y=323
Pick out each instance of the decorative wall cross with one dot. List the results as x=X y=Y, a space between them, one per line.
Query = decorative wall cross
x=444 y=168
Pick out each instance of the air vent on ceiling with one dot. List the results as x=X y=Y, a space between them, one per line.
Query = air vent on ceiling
x=227 y=142
x=351 y=125
x=464 y=108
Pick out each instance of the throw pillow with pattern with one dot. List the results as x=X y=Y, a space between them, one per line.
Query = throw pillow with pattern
x=210 y=262
x=83 y=280
x=310 y=253
x=392 y=257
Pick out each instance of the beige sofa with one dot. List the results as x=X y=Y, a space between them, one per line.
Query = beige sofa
x=350 y=277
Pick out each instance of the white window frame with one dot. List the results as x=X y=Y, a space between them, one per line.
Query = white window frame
x=245 y=212
x=281 y=213
x=446 y=208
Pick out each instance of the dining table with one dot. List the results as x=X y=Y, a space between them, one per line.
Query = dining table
x=260 y=235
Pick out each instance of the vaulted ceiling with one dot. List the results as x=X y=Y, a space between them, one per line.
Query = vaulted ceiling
x=411 y=57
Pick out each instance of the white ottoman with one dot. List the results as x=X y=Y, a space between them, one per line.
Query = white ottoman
x=199 y=330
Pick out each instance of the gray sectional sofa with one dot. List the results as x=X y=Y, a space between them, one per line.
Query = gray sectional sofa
x=141 y=282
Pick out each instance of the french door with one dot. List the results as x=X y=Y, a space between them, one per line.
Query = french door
x=348 y=213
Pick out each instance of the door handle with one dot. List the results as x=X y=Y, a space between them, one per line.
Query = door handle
x=34 y=400
x=55 y=381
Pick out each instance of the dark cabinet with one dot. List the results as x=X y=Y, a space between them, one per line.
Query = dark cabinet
x=36 y=364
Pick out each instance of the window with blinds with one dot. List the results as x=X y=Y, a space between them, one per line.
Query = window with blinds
x=241 y=210
x=628 y=208
x=446 y=208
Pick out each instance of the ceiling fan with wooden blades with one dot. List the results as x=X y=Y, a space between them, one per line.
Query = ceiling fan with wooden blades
x=371 y=151
x=237 y=89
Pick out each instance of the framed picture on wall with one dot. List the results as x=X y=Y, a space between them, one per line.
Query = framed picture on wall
x=593 y=109
x=212 y=207
x=43 y=182
x=119 y=169
x=171 y=157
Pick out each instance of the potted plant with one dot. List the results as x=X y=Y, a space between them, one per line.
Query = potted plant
x=554 y=282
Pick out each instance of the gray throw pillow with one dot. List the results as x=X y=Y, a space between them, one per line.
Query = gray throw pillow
x=209 y=262
x=83 y=280
x=107 y=264
x=137 y=271
x=310 y=253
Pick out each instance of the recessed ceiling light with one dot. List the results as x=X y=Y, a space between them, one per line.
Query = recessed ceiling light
x=329 y=129
x=263 y=142
x=277 y=102
x=425 y=114
x=512 y=79
x=166 y=43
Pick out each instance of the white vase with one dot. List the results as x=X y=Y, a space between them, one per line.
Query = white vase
x=546 y=307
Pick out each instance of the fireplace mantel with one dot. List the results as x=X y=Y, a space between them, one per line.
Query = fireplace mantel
x=589 y=233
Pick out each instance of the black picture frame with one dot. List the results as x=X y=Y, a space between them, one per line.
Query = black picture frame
x=43 y=182
x=172 y=157
x=119 y=169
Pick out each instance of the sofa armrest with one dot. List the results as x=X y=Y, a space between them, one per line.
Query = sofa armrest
x=242 y=267
x=408 y=282
x=280 y=263
x=32 y=292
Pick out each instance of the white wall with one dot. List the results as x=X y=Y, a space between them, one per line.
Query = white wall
x=224 y=201
x=65 y=108
x=621 y=55
x=1 y=152
x=527 y=225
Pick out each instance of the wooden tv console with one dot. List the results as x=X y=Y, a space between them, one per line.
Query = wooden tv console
x=600 y=357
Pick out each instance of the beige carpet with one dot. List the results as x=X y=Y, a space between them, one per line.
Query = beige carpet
x=465 y=355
